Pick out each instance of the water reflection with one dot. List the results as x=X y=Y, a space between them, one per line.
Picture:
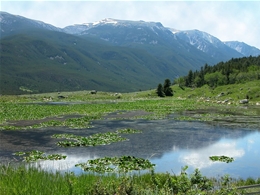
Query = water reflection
x=67 y=165
x=200 y=158
x=244 y=150
x=169 y=144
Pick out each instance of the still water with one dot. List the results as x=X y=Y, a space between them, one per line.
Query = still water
x=169 y=144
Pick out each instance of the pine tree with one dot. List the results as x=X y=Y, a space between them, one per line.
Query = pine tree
x=160 y=91
x=189 y=79
x=167 y=88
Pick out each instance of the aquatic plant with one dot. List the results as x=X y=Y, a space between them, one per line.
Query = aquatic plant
x=35 y=155
x=225 y=159
x=116 y=164
x=128 y=131
x=93 y=140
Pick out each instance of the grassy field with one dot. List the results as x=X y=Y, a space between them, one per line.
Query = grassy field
x=22 y=180
x=94 y=106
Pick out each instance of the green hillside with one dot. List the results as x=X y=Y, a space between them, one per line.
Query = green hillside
x=238 y=78
x=45 y=61
x=234 y=71
x=37 y=57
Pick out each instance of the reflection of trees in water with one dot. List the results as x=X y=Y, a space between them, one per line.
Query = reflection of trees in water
x=158 y=137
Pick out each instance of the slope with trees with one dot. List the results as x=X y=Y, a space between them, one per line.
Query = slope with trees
x=234 y=71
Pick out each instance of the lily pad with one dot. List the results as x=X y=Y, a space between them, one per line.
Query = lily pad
x=116 y=164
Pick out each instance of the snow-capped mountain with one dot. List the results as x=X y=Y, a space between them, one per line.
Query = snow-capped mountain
x=123 y=32
x=126 y=32
x=243 y=48
x=206 y=43
x=81 y=29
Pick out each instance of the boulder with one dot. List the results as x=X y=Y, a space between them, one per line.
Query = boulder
x=244 y=101
x=93 y=92
x=61 y=97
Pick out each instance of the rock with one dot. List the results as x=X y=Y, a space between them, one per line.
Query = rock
x=226 y=101
x=93 y=92
x=61 y=97
x=221 y=94
x=244 y=101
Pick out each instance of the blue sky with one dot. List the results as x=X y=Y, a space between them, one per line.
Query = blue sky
x=226 y=20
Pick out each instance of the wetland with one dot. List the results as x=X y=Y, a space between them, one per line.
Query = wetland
x=170 y=143
x=74 y=141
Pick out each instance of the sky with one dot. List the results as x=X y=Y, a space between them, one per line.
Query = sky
x=226 y=20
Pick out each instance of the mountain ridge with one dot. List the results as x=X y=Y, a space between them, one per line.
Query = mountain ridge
x=243 y=48
x=112 y=55
x=105 y=21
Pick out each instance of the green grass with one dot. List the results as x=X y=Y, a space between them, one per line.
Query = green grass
x=34 y=180
x=95 y=106
x=233 y=92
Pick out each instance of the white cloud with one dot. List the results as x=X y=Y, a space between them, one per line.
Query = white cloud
x=64 y=165
x=200 y=158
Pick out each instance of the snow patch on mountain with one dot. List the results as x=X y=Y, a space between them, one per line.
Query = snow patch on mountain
x=243 y=48
x=82 y=28
x=105 y=21
x=173 y=30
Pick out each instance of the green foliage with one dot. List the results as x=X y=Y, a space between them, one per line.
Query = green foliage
x=93 y=140
x=167 y=87
x=215 y=79
x=225 y=159
x=36 y=155
x=238 y=70
x=32 y=180
x=128 y=131
x=160 y=91
x=164 y=90
x=116 y=164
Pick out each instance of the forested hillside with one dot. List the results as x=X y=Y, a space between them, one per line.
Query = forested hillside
x=234 y=71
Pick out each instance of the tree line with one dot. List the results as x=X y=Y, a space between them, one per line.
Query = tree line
x=237 y=70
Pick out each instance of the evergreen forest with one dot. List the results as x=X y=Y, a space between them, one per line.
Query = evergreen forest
x=234 y=71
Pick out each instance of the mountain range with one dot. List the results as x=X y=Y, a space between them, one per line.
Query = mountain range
x=108 y=55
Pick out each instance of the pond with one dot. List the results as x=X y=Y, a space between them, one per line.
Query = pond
x=168 y=143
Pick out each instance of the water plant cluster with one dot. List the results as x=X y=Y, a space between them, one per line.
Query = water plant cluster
x=116 y=164
x=35 y=155
x=93 y=140
x=30 y=107
x=128 y=131
x=222 y=158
